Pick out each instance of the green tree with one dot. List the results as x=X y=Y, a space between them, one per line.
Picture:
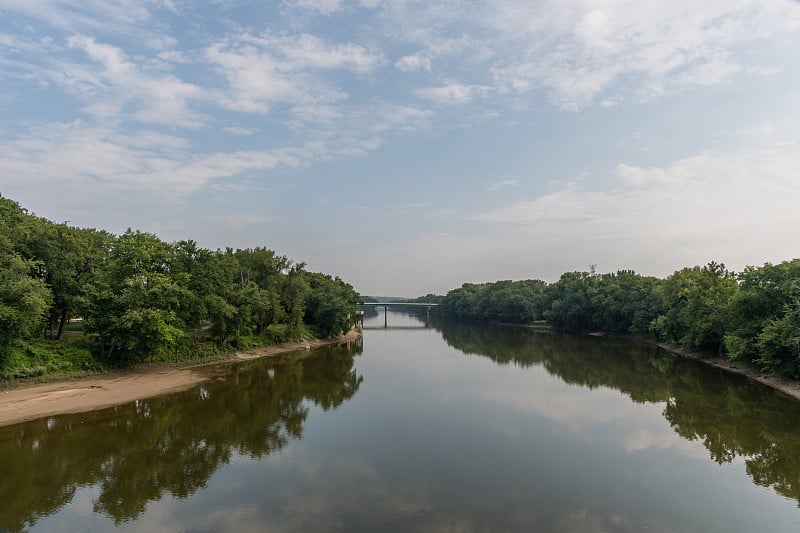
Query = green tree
x=70 y=258
x=571 y=302
x=779 y=341
x=330 y=304
x=763 y=296
x=135 y=308
x=625 y=302
x=24 y=301
x=696 y=301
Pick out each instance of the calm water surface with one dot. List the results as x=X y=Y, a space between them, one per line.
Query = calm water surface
x=450 y=428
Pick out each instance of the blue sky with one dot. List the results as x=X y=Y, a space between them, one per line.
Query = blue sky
x=411 y=146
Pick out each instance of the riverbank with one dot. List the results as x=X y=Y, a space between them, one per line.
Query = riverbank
x=787 y=386
x=30 y=402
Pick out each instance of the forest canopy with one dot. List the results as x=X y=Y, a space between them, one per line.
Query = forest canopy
x=139 y=298
x=752 y=316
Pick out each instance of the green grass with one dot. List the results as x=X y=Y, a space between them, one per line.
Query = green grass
x=44 y=360
x=34 y=360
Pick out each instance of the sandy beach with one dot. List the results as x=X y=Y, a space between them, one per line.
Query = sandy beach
x=106 y=390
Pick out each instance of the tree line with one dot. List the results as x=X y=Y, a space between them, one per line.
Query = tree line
x=751 y=316
x=140 y=298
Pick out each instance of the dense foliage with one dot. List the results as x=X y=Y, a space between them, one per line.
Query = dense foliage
x=141 y=298
x=752 y=316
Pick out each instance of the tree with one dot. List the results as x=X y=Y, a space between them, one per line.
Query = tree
x=696 y=302
x=135 y=307
x=625 y=302
x=571 y=302
x=330 y=304
x=70 y=258
x=293 y=298
x=763 y=296
x=779 y=341
x=24 y=301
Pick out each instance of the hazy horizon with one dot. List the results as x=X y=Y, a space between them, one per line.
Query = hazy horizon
x=409 y=147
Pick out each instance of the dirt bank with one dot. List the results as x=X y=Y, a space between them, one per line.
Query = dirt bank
x=106 y=390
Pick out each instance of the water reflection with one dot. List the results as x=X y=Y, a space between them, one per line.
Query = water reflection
x=137 y=453
x=730 y=415
x=532 y=431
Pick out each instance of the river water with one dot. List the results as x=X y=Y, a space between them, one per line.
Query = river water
x=453 y=427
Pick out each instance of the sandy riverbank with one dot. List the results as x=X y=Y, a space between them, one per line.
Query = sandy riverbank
x=107 y=390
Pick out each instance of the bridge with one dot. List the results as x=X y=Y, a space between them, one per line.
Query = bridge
x=387 y=305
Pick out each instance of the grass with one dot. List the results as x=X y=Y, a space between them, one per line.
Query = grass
x=35 y=360
x=42 y=360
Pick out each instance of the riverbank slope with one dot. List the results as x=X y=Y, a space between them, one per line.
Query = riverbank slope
x=29 y=402
x=787 y=386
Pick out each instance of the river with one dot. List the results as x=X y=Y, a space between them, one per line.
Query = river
x=453 y=427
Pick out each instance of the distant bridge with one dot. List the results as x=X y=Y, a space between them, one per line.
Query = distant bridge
x=387 y=305
x=403 y=304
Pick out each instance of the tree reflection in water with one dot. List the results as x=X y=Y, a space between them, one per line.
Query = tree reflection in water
x=139 y=452
x=731 y=415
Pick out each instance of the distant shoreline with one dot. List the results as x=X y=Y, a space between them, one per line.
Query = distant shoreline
x=29 y=402
x=786 y=386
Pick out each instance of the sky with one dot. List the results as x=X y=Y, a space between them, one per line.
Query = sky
x=412 y=146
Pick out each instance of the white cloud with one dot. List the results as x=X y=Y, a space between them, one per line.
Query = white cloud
x=399 y=117
x=120 y=83
x=317 y=113
x=239 y=130
x=308 y=51
x=233 y=221
x=330 y=92
x=739 y=207
x=84 y=156
x=711 y=73
x=72 y=14
x=325 y=7
x=270 y=69
x=503 y=184
x=379 y=118
x=113 y=18
x=413 y=63
x=580 y=52
x=173 y=56
x=452 y=93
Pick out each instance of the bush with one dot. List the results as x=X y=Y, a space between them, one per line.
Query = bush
x=32 y=359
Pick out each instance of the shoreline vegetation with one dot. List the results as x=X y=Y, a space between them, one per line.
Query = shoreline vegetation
x=746 y=322
x=139 y=299
x=81 y=300
x=25 y=401
x=790 y=387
